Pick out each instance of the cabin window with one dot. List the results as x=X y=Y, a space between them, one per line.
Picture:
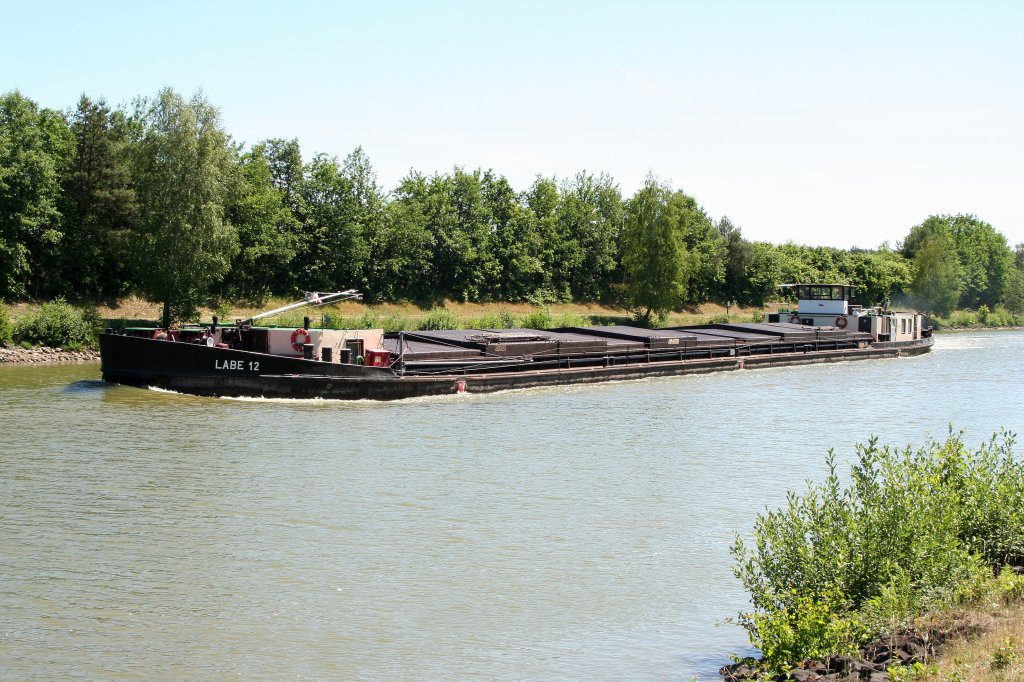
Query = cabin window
x=820 y=293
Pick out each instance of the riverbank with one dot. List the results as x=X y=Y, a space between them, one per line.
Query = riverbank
x=981 y=643
x=15 y=355
x=886 y=567
x=411 y=316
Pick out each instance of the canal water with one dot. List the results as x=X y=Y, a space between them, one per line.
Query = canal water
x=565 y=533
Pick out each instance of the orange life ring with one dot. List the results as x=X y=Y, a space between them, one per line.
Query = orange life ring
x=841 y=322
x=794 y=319
x=295 y=336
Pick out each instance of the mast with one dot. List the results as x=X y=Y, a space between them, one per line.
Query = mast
x=313 y=298
x=401 y=354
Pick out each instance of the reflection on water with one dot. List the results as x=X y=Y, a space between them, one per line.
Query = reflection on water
x=577 y=532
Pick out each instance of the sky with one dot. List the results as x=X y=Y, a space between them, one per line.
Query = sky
x=823 y=123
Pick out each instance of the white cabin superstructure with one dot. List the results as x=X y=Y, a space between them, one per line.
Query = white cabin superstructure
x=828 y=305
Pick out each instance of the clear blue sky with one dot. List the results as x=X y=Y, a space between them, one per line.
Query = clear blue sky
x=838 y=124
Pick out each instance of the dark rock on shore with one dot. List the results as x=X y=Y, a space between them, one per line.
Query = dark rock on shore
x=904 y=647
x=45 y=356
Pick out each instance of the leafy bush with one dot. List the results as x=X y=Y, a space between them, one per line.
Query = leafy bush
x=913 y=530
x=59 y=325
x=439 y=318
x=6 y=328
x=651 y=320
x=815 y=627
x=1000 y=317
x=395 y=323
x=958 y=318
x=503 y=319
x=571 y=320
x=540 y=318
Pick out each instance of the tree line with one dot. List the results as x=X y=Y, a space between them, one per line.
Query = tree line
x=155 y=198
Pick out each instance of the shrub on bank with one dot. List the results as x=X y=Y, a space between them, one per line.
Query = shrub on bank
x=6 y=328
x=983 y=317
x=540 y=318
x=439 y=318
x=58 y=324
x=502 y=319
x=913 y=530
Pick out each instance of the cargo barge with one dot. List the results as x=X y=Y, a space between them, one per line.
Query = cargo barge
x=247 y=359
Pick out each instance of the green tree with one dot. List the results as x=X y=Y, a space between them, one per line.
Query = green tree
x=457 y=218
x=182 y=166
x=403 y=246
x=936 y=283
x=337 y=209
x=36 y=147
x=657 y=264
x=1013 y=293
x=752 y=272
x=99 y=205
x=705 y=243
x=286 y=169
x=266 y=228
x=590 y=218
x=983 y=259
x=515 y=240
x=542 y=200
x=879 y=275
x=367 y=219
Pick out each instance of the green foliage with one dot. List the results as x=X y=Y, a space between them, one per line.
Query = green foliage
x=540 y=318
x=570 y=320
x=655 y=257
x=962 y=254
x=1000 y=317
x=36 y=148
x=6 y=328
x=958 y=318
x=267 y=229
x=936 y=284
x=1013 y=292
x=182 y=168
x=99 y=206
x=503 y=319
x=58 y=325
x=909 y=673
x=983 y=317
x=394 y=323
x=1005 y=655
x=98 y=203
x=439 y=318
x=913 y=530
x=813 y=627
x=1010 y=585
x=585 y=256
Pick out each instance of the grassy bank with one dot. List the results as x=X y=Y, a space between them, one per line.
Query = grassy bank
x=399 y=316
x=993 y=653
x=983 y=317
x=912 y=532
x=58 y=323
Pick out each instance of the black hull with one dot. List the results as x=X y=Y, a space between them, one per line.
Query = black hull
x=221 y=372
